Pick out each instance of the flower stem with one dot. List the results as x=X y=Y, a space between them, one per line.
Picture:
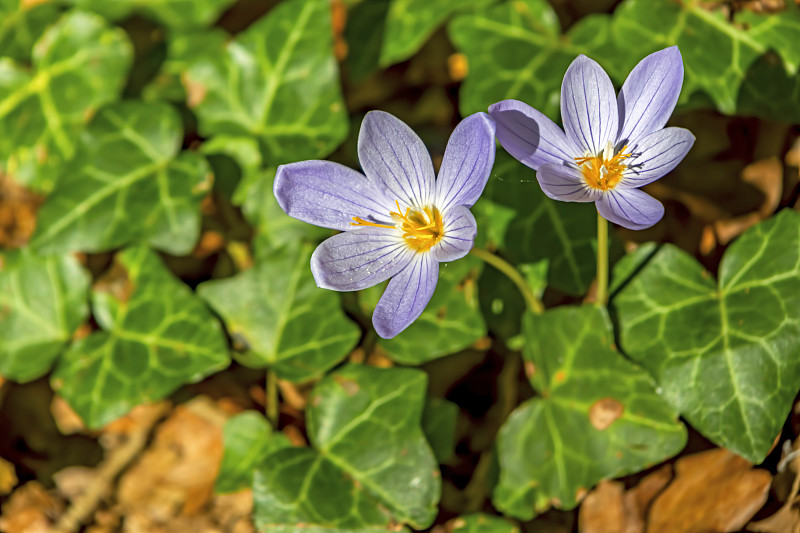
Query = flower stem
x=272 y=398
x=534 y=304
x=602 y=262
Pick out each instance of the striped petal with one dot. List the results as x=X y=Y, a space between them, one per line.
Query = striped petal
x=565 y=183
x=589 y=106
x=630 y=208
x=656 y=155
x=459 y=235
x=395 y=160
x=406 y=296
x=328 y=194
x=358 y=259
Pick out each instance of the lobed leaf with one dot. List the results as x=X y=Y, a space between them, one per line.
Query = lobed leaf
x=21 y=24
x=130 y=183
x=370 y=459
x=277 y=81
x=248 y=440
x=282 y=320
x=723 y=353
x=78 y=64
x=42 y=302
x=597 y=416
x=156 y=336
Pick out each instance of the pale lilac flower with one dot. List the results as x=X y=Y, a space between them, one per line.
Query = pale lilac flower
x=398 y=221
x=612 y=145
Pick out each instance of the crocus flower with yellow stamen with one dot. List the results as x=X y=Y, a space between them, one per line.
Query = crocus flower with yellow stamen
x=398 y=221
x=611 y=145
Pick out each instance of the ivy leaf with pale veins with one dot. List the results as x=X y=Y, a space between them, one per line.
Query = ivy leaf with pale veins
x=276 y=312
x=482 y=523
x=370 y=459
x=175 y=14
x=514 y=50
x=22 y=22
x=450 y=322
x=724 y=353
x=248 y=440
x=410 y=22
x=129 y=183
x=42 y=301
x=156 y=336
x=598 y=416
x=79 y=64
x=277 y=81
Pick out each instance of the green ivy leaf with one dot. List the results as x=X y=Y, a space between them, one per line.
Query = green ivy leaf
x=439 y=421
x=716 y=54
x=723 y=353
x=79 y=64
x=277 y=81
x=598 y=416
x=299 y=486
x=482 y=523
x=42 y=301
x=156 y=337
x=409 y=23
x=175 y=14
x=128 y=184
x=451 y=322
x=514 y=50
x=370 y=455
x=277 y=312
x=248 y=439
x=22 y=23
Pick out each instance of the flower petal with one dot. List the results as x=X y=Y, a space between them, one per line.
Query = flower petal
x=460 y=229
x=656 y=155
x=328 y=194
x=530 y=136
x=565 y=183
x=589 y=106
x=467 y=162
x=358 y=259
x=630 y=208
x=406 y=296
x=395 y=160
x=649 y=94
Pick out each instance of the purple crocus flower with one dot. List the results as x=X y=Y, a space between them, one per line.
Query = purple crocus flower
x=398 y=221
x=612 y=145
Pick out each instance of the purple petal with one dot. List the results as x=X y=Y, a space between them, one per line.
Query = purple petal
x=649 y=94
x=656 y=155
x=467 y=162
x=529 y=136
x=589 y=106
x=358 y=259
x=328 y=194
x=395 y=160
x=630 y=208
x=406 y=296
x=460 y=229
x=565 y=183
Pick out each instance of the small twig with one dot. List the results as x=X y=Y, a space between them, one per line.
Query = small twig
x=115 y=462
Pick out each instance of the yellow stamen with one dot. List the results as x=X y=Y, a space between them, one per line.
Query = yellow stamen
x=421 y=228
x=603 y=171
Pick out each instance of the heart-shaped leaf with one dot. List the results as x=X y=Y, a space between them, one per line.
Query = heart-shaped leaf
x=723 y=353
x=598 y=416
x=42 y=301
x=156 y=337
x=128 y=184
x=281 y=319
x=79 y=64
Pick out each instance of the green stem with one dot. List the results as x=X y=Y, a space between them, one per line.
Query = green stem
x=602 y=261
x=272 y=399
x=534 y=304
